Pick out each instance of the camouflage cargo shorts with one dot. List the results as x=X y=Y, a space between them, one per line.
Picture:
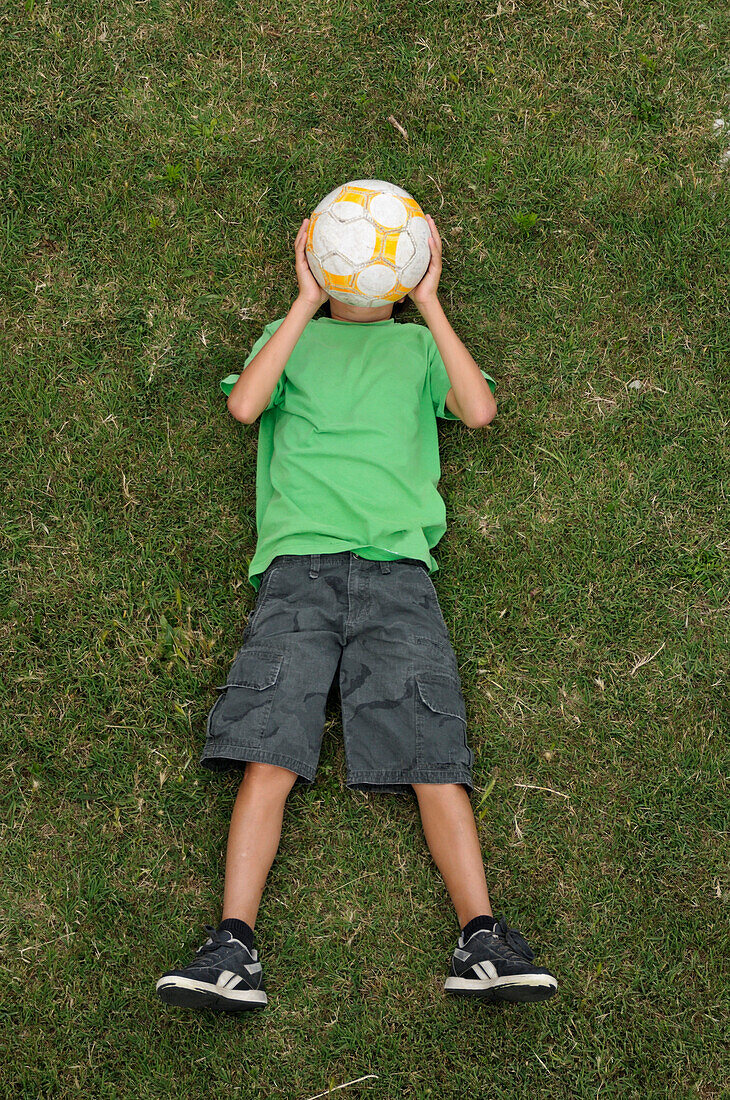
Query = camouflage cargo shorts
x=380 y=624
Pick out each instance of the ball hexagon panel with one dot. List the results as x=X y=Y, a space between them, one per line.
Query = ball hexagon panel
x=336 y=264
x=345 y=211
x=358 y=242
x=405 y=249
x=388 y=210
x=376 y=280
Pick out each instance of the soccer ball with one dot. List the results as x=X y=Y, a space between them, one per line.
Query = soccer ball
x=367 y=243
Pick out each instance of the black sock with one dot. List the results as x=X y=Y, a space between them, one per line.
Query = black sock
x=476 y=923
x=239 y=929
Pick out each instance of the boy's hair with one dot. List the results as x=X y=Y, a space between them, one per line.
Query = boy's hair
x=398 y=308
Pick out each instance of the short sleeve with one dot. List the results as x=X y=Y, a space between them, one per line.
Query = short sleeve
x=440 y=383
x=230 y=380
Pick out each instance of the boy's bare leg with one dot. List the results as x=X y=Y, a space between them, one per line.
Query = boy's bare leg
x=253 y=837
x=451 y=834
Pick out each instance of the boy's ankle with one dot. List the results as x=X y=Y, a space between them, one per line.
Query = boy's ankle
x=472 y=926
x=238 y=928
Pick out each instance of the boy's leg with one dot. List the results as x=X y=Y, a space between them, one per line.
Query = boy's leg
x=253 y=837
x=495 y=962
x=226 y=973
x=451 y=834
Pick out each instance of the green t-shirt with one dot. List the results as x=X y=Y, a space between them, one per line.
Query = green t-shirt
x=348 y=455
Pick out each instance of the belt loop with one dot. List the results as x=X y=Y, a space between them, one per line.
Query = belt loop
x=314 y=566
x=385 y=567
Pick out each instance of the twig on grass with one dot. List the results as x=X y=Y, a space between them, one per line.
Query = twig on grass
x=327 y=1093
x=412 y=947
x=534 y=787
x=645 y=660
x=542 y=1063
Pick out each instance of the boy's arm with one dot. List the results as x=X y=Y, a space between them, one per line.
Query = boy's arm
x=252 y=392
x=470 y=397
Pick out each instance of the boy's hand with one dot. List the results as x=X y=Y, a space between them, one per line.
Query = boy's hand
x=310 y=292
x=425 y=292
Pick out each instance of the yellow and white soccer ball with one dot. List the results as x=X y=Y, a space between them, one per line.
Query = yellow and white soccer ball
x=367 y=243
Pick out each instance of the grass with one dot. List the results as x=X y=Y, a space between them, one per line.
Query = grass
x=157 y=160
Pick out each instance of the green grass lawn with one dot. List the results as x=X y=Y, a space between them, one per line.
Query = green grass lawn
x=157 y=160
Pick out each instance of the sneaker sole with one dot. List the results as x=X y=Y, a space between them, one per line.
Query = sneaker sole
x=191 y=994
x=503 y=989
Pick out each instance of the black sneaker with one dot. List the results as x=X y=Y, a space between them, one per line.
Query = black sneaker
x=497 y=966
x=224 y=976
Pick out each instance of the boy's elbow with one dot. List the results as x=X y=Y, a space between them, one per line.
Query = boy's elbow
x=485 y=417
x=238 y=412
x=491 y=413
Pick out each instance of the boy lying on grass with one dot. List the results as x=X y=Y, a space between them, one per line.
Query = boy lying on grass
x=347 y=512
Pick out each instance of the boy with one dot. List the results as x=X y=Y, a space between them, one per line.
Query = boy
x=347 y=510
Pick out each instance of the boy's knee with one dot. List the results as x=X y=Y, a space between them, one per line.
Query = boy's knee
x=270 y=776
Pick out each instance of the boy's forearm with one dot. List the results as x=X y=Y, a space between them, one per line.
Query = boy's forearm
x=252 y=392
x=474 y=399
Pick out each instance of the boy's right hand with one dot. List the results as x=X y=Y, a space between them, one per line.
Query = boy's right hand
x=310 y=292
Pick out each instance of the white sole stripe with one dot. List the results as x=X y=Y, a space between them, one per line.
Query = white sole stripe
x=256 y=995
x=536 y=981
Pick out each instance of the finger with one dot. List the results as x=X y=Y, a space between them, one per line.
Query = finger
x=434 y=231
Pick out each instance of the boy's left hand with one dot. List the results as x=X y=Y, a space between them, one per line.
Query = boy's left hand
x=426 y=290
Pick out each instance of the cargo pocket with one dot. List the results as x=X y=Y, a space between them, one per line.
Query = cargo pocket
x=241 y=712
x=440 y=720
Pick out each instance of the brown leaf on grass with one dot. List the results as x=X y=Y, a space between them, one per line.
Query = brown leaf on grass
x=401 y=130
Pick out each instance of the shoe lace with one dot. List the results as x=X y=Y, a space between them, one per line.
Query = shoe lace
x=212 y=944
x=514 y=940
